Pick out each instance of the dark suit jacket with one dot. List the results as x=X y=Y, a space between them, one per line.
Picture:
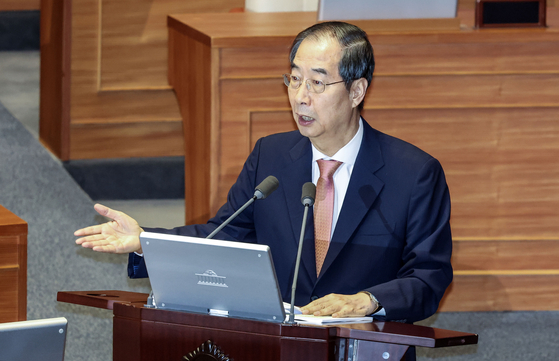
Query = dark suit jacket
x=392 y=237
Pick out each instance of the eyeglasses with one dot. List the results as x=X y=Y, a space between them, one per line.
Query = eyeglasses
x=315 y=86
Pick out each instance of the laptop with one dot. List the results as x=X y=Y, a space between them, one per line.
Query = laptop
x=43 y=340
x=386 y=9
x=214 y=277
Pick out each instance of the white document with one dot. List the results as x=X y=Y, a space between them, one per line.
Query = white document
x=323 y=320
x=329 y=320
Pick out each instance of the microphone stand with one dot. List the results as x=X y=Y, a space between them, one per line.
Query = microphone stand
x=264 y=189
x=308 y=200
x=231 y=217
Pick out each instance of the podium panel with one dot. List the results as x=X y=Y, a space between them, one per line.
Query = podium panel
x=148 y=334
x=13 y=267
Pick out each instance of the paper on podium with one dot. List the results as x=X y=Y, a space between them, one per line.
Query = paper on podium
x=329 y=320
x=323 y=320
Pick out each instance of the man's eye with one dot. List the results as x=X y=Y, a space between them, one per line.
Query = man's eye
x=316 y=82
x=295 y=78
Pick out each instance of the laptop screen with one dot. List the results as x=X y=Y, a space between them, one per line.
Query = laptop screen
x=43 y=340
x=232 y=279
x=386 y=9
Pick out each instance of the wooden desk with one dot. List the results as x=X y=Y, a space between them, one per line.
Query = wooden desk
x=483 y=102
x=141 y=333
x=13 y=267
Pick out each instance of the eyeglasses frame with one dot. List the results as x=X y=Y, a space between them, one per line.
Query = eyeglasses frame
x=287 y=81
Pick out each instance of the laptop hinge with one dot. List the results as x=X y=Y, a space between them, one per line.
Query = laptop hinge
x=151 y=301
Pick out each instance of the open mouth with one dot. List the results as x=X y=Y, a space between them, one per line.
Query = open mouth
x=305 y=120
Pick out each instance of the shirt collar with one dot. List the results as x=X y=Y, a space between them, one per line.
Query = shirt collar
x=348 y=153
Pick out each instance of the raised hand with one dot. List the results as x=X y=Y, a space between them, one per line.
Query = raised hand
x=121 y=235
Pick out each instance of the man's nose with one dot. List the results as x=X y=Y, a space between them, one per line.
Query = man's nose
x=302 y=95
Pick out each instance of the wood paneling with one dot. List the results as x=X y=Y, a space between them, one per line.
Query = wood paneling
x=18 y=5
x=129 y=139
x=531 y=257
x=502 y=292
x=197 y=88
x=54 y=105
x=503 y=276
x=142 y=333
x=134 y=50
x=502 y=165
x=116 y=71
x=117 y=65
x=13 y=267
x=457 y=91
x=484 y=103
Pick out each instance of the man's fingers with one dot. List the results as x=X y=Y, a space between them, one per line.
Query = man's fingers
x=101 y=209
x=339 y=306
x=349 y=311
x=327 y=310
x=107 y=212
x=91 y=238
x=318 y=307
x=94 y=242
x=88 y=231
x=105 y=249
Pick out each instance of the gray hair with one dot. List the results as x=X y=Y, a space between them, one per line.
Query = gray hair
x=357 y=59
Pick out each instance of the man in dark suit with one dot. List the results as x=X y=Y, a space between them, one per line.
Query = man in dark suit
x=388 y=242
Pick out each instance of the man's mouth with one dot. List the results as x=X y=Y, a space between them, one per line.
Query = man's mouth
x=305 y=119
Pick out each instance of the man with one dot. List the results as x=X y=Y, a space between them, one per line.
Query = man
x=387 y=245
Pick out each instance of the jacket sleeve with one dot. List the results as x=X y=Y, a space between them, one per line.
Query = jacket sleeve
x=425 y=271
x=240 y=229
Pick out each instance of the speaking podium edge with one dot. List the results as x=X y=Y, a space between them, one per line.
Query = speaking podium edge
x=141 y=333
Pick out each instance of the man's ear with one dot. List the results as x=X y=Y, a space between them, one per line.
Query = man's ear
x=358 y=91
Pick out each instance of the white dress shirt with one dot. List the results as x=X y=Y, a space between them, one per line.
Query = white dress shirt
x=347 y=155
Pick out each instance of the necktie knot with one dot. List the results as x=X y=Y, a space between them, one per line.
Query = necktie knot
x=328 y=167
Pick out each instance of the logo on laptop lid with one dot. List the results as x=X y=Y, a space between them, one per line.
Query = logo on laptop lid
x=210 y=278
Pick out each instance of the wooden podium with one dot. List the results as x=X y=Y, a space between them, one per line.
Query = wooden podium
x=142 y=333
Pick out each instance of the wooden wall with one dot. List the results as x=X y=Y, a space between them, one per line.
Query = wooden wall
x=114 y=60
x=6 y=5
x=104 y=90
x=484 y=102
x=16 y=5
x=488 y=109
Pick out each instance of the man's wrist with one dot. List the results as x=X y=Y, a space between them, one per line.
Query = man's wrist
x=376 y=304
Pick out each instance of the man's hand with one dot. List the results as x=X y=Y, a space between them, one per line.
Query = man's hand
x=356 y=305
x=121 y=235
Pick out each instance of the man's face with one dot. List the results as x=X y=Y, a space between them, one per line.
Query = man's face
x=328 y=119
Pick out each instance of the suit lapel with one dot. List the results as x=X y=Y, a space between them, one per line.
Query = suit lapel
x=294 y=176
x=363 y=189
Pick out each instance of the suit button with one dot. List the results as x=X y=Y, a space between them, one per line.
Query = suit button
x=314 y=298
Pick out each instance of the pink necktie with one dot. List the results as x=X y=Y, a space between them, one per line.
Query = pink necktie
x=324 y=209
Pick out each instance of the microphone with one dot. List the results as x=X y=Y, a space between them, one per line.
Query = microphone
x=308 y=194
x=266 y=187
x=263 y=190
x=307 y=198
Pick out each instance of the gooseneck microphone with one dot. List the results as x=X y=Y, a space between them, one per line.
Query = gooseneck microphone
x=266 y=187
x=263 y=190
x=307 y=198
